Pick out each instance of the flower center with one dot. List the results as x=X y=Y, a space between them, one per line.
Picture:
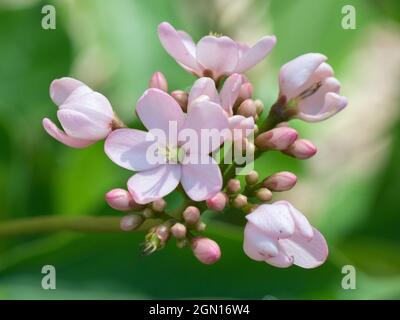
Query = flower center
x=173 y=154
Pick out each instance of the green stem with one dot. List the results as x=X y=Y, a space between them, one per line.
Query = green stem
x=47 y=224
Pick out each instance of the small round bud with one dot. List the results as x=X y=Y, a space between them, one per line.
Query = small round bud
x=217 y=202
x=206 y=250
x=200 y=226
x=178 y=230
x=301 y=149
x=233 y=186
x=159 y=205
x=181 y=97
x=131 y=222
x=120 y=199
x=240 y=201
x=264 y=194
x=158 y=81
x=246 y=91
x=281 y=181
x=276 y=139
x=247 y=108
x=162 y=233
x=182 y=243
x=252 y=177
x=191 y=215
x=148 y=213
x=259 y=106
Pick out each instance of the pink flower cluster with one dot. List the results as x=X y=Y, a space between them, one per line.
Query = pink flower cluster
x=188 y=131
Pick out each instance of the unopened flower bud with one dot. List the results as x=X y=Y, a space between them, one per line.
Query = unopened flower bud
x=159 y=205
x=252 y=177
x=120 y=199
x=206 y=250
x=191 y=215
x=246 y=91
x=247 y=108
x=148 y=213
x=301 y=149
x=181 y=97
x=162 y=233
x=217 y=202
x=178 y=230
x=158 y=81
x=276 y=139
x=264 y=194
x=181 y=243
x=281 y=181
x=200 y=226
x=240 y=201
x=233 y=186
x=131 y=222
x=259 y=106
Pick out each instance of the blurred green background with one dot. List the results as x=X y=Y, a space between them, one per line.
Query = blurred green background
x=349 y=190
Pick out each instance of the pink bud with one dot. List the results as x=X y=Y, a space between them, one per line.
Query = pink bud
x=259 y=106
x=191 y=215
x=206 y=250
x=218 y=202
x=131 y=222
x=181 y=97
x=120 y=199
x=247 y=108
x=252 y=177
x=246 y=91
x=233 y=186
x=276 y=139
x=178 y=230
x=162 y=233
x=158 y=81
x=264 y=194
x=159 y=205
x=240 y=201
x=301 y=149
x=281 y=181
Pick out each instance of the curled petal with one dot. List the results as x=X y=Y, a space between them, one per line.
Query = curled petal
x=201 y=181
x=61 y=89
x=78 y=125
x=257 y=245
x=274 y=220
x=60 y=135
x=219 y=55
x=147 y=186
x=177 y=45
x=131 y=148
x=241 y=126
x=255 y=54
x=306 y=253
x=282 y=260
x=294 y=74
x=204 y=86
x=230 y=91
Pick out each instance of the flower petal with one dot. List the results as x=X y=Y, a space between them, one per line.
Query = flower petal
x=201 y=181
x=257 y=245
x=177 y=45
x=282 y=260
x=207 y=126
x=274 y=220
x=203 y=86
x=61 y=89
x=60 y=135
x=230 y=91
x=219 y=55
x=147 y=186
x=306 y=253
x=158 y=110
x=131 y=149
x=78 y=125
x=241 y=126
x=294 y=74
x=255 y=54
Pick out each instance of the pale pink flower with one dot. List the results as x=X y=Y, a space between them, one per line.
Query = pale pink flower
x=281 y=235
x=129 y=148
x=213 y=56
x=85 y=115
x=226 y=98
x=308 y=81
